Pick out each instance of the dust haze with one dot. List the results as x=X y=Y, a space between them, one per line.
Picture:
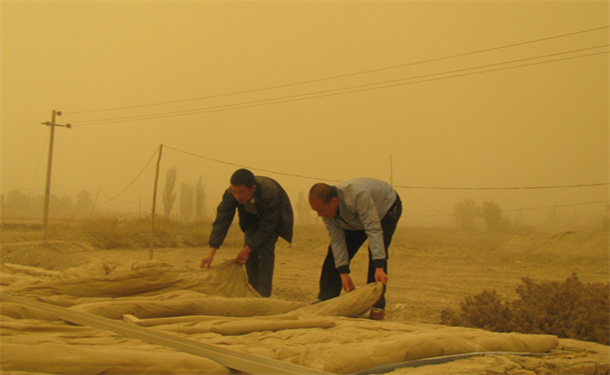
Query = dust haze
x=443 y=99
x=490 y=119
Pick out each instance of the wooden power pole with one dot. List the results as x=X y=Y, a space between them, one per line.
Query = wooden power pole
x=47 y=191
x=154 y=204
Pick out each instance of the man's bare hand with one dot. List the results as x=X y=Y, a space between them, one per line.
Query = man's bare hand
x=381 y=276
x=207 y=261
x=243 y=255
x=348 y=284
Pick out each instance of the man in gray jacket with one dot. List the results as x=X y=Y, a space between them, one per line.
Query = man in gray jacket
x=354 y=211
x=265 y=214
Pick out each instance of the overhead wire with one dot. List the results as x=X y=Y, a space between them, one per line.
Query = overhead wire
x=349 y=89
x=42 y=150
x=410 y=193
x=352 y=89
x=132 y=181
x=396 y=186
x=504 y=188
x=521 y=209
x=248 y=167
x=346 y=74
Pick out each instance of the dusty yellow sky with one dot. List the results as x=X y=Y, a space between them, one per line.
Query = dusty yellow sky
x=460 y=94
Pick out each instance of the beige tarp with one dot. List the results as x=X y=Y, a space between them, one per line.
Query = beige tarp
x=326 y=336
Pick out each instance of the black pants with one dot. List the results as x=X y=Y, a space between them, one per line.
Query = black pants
x=260 y=265
x=330 y=280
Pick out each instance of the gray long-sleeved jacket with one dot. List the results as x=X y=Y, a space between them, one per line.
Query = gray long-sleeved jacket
x=269 y=212
x=363 y=202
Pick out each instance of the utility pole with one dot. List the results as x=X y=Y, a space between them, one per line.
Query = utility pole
x=47 y=191
x=154 y=204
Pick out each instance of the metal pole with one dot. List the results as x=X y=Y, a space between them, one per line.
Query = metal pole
x=154 y=204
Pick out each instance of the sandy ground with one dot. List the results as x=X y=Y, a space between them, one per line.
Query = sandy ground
x=429 y=270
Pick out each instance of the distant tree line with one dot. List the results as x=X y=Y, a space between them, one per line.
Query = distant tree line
x=191 y=200
x=17 y=204
x=467 y=211
x=466 y=214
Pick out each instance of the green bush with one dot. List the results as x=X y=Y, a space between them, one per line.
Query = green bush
x=569 y=309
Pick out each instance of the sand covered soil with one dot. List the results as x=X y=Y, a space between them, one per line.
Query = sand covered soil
x=169 y=294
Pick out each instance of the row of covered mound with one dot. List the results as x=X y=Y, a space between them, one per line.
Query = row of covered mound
x=215 y=306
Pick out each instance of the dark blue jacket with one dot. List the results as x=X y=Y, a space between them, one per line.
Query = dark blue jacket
x=269 y=212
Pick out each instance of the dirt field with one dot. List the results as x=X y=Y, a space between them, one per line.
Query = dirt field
x=429 y=270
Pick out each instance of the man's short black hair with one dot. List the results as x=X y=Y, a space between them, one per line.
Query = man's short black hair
x=323 y=192
x=243 y=177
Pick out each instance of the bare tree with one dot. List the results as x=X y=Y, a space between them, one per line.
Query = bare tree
x=169 y=197
x=492 y=214
x=84 y=203
x=187 y=201
x=199 y=200
x=303 y=208
x=465 y=212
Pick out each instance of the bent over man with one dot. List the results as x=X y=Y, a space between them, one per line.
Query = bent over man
x=354 y=211
x=265 y=214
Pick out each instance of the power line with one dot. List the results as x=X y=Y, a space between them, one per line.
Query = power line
x=126 y=187
x=252 y=168
x=132 y=181
x=397 y=186
x=42 y=150
x=503 y=188
x=19 y=188
x=344 y=75
x=522 y=209
x=345 y=90
x=556 y=205
x=421 y=200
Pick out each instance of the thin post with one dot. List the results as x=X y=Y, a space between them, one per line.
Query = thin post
x=154 y=204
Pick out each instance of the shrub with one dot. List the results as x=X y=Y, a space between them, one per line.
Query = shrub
x=567 y=309
x=485 y=310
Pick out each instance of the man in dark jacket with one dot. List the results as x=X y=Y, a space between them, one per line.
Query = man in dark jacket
x=265 y=214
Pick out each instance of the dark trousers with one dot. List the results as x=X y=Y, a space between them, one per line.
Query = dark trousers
x=260 y=266
x=330 y=280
